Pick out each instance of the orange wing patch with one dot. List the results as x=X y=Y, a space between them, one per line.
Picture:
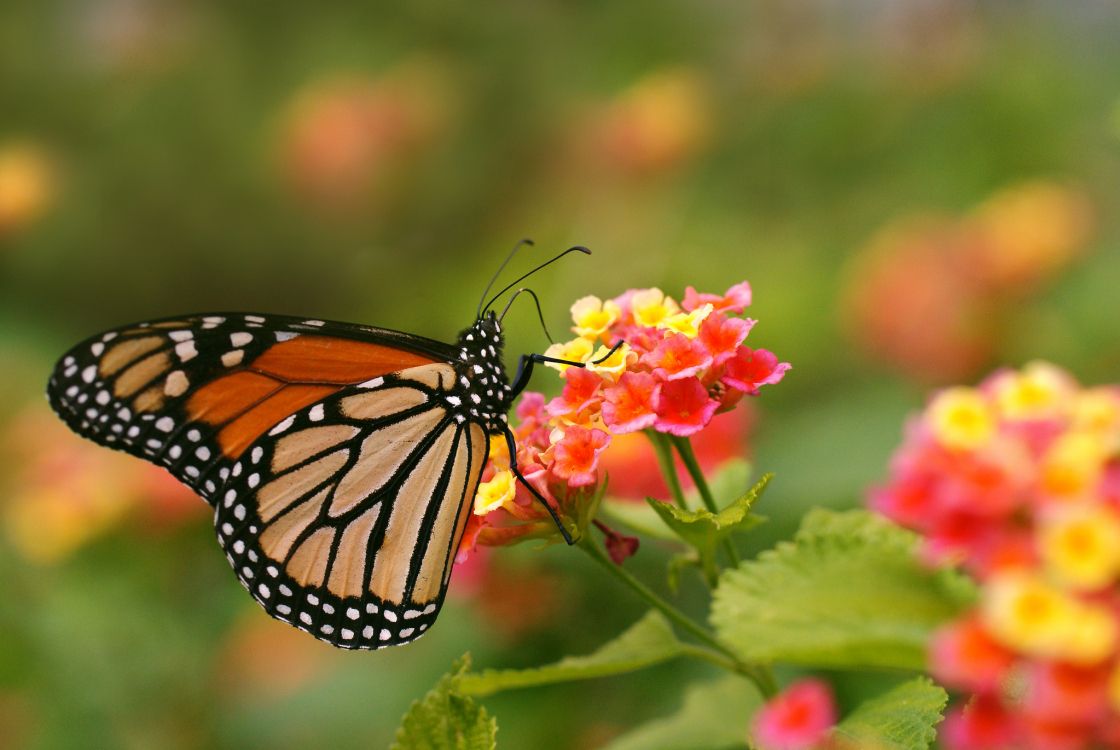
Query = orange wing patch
x=322 y=359
x=286 y=378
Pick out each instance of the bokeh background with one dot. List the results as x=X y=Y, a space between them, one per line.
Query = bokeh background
x=918 y=191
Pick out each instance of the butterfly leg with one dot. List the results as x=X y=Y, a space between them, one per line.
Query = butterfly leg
x=525 y=366
x=512 y=443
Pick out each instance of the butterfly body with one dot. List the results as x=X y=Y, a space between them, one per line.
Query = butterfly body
x=341 y=461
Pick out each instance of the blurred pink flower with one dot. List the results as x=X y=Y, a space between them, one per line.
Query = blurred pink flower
x=931 y=295
x=346 y=139
x=1011 y=480
x=66 y=491
x=798 y=718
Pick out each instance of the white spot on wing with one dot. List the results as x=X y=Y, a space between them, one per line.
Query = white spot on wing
x=241 y=338
x=285 y=424
x=186 y=351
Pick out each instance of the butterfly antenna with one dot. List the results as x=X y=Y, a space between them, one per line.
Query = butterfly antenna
x=536 y=301
x=513 y=252
x=515 y=282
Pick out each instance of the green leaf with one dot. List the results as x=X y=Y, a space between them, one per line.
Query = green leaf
x=715 y=716
x=647 y=642
x=445 y=719
x=904 y=718
x=704 y=530
x=848 y=591
x=729 y=482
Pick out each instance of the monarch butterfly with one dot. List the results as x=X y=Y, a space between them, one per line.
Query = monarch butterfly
x=341 y=460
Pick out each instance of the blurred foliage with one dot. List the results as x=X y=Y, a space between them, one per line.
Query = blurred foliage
x=374 y=163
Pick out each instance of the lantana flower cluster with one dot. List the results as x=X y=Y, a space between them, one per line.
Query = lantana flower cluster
x=1018 y=479
x=676 y=365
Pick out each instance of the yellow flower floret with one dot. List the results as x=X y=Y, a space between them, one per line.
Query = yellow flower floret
x=685 y=322
x=1081 y=546
x=1040 y=391
x=1033 y=617
x=496 y=493
x=961 y=418
x=613 y=366
x=1072 y=466
x=1092 y=637
x=651 y=306
x=576 y=350
x=592 y=316
x=1097 y=411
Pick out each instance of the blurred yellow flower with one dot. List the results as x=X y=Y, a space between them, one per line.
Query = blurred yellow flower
x=27 y=185
x=651 y=306
x=577 y=350
x=495 y=493
x=592 y=316
x=1081 y=546
x=687 y=323
x=1026 y=614
x=1073 y=464
x=657 y=124
x=66 y=491
x=1097 y=411
x=1039 y=391
x=1030 y=231
x=961 y=418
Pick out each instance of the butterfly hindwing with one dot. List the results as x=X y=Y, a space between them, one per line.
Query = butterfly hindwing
x=344 y=519
x=192 y=393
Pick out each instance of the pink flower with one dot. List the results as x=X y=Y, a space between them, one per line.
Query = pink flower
x=628 y=404
x=1066 y=694
x=576 y=456
x=721 y=336
x=677 y=356
x=750 y=369
x=579 y=397
x=964 y=656
x=683 y=407
x=737 y=299
x=799 y=718
x=984 y=724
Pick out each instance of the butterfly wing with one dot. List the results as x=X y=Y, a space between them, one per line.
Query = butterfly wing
x=344 y=519
x=193 y=393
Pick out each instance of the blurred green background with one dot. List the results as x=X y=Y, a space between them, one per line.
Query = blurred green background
x=918 y=191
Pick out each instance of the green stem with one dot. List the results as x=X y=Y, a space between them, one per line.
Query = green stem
x=688 y=457
x=713 y=651
x=664 y=450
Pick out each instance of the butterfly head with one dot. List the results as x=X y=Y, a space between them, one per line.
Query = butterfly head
x=486 y=393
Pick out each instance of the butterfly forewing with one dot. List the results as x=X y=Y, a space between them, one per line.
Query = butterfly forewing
x=192 y=393
x=341 y=460
x=344 y=519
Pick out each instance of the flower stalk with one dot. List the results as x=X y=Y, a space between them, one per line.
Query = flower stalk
x=664 y=449
x=713 y=651
x=688 y=457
